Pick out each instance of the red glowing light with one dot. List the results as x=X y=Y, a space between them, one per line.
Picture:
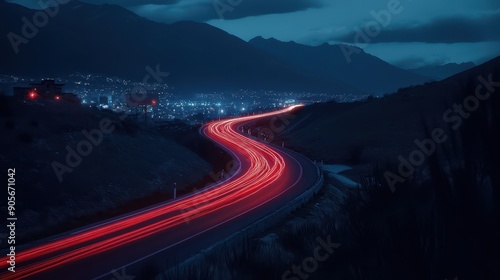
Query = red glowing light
x=32 y=95
x=58 y=97
x=265 y=166
x=153 y=102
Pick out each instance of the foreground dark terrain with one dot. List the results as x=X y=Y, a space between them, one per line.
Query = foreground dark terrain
x=227 y=139
x=437 y=219
x=130 y=167
x=442 y=222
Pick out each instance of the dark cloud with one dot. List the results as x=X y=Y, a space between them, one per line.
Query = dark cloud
x=198 y=11
x=264 y=7
x=133 y=3
x=458 y=29
x=203 y=10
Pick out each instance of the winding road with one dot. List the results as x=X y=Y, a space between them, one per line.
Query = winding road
x=265 y=179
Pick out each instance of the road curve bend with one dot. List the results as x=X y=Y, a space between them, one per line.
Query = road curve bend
x=265 y=180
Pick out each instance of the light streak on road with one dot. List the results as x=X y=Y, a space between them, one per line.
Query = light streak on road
x=264 y=166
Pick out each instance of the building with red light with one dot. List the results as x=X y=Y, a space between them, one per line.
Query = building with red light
x=150 y=98
x=142 y=103
x=45 y=90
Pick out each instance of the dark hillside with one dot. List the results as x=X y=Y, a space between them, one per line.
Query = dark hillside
x=384 y=127
x=131 y=166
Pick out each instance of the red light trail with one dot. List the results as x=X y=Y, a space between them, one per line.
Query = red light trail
x=265 y=166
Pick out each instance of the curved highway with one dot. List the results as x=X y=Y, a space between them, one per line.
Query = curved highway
x=266 y=179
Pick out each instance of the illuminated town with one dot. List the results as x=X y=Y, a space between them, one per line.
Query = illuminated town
x=194 y=108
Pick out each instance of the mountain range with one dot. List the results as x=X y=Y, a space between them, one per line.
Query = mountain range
x=440 y=72
x=385 y=128
x=111 y=40
x=363 y=70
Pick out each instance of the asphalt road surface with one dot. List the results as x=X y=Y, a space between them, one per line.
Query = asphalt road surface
x=264 y=178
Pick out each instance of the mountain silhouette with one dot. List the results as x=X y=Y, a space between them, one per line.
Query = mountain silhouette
x=111 y=40
x=329 y=61
x=439 y=72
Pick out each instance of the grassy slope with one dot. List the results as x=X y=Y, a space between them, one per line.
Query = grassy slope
x=384 y=127
x=443 y=224
x=130 y=164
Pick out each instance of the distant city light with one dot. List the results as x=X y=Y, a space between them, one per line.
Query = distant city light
x=32 y=95
x=203 y=107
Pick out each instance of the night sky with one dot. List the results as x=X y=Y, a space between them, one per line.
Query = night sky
x=420 y=32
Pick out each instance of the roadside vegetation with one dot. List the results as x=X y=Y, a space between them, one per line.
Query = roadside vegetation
x=442 y=222
x=130 y=168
